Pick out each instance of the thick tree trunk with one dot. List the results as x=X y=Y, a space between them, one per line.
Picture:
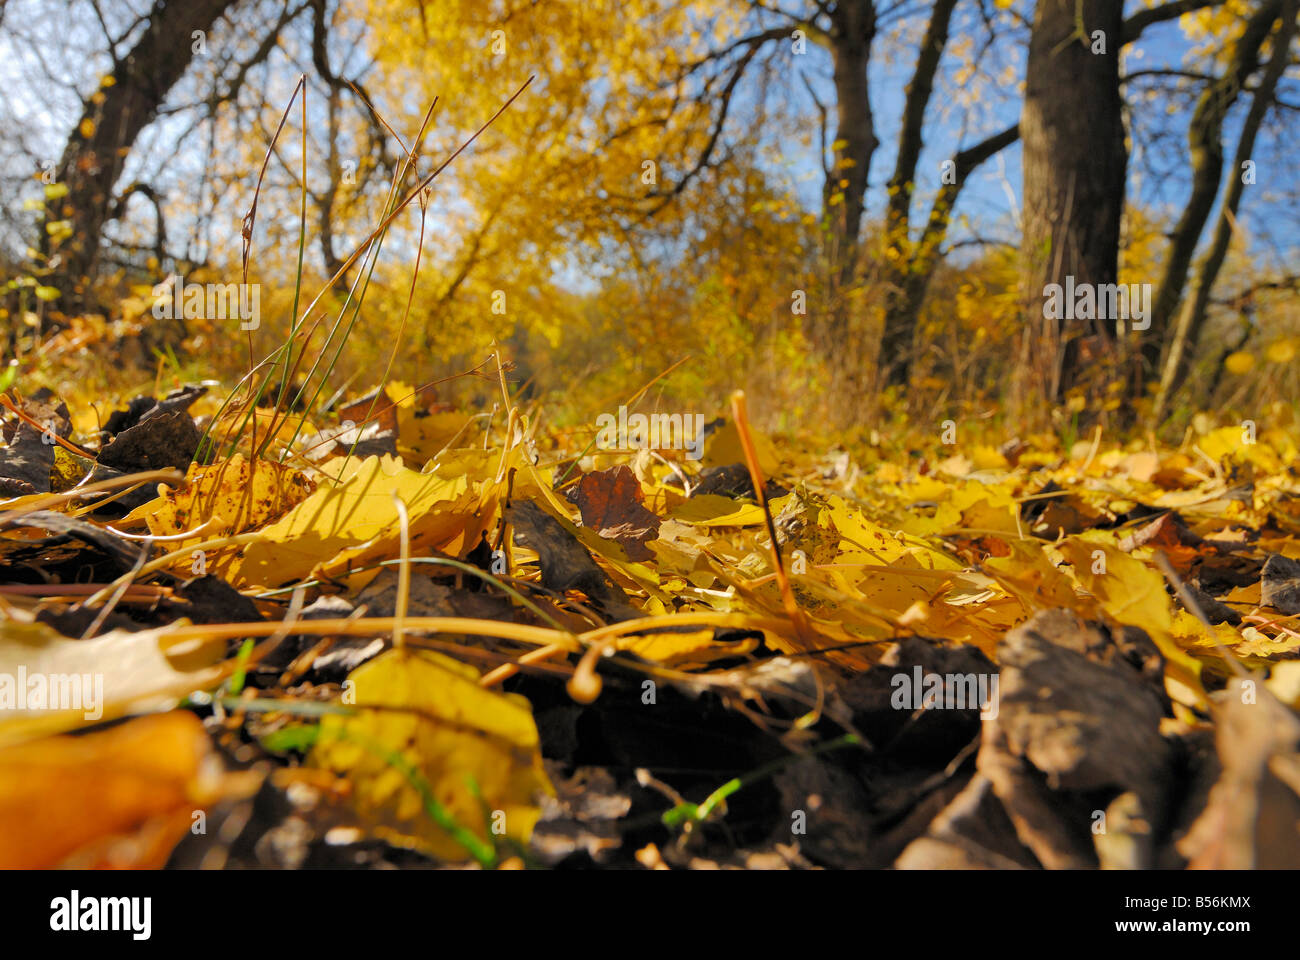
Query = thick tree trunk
x=1074 y=174
x=854 y=29
x=840 y=334
x=97 y=148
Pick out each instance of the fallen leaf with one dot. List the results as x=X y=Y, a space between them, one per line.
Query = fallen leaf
x=50 y=683
x=477 y=750
x=347 y=524
x=611 y=503
x=228 y=497
x=119 y=798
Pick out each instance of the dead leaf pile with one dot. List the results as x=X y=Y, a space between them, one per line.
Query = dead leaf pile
x=431 y=637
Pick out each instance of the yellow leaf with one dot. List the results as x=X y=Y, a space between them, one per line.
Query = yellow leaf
x=1029 y=576
x=1239 y=362
x=1133 y=593
x=348 y=524
x=1284 y=682
x=1281 y=352
x=119 y=798
x=1250 y=646
x=985 y=515
x=986 y=457
x=73 y=683
x=691 y=646
x=86 y=128
x=723 y=447
x=896 y=591
x=710 y=510
x=991 y=506
x=440 y=725
x=228 y=497
x=68 y=470
x=1127 y=589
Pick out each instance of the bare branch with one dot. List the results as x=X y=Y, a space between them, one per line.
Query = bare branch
x=1135 y=24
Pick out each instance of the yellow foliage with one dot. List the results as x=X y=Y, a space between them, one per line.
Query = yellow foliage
x=354 y=521
x=423 y=717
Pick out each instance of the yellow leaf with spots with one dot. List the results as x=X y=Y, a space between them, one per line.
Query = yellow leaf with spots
x=228 y=497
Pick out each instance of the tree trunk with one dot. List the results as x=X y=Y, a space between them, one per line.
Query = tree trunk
x=1191 y=321
x=1205 y=139
x=1074 y=177
x=97 y=148
x=854 y=29
x=911 y=279
x=905 y=285
x=839 y=334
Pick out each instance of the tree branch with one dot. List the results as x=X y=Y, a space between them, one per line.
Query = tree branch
x=1135 y=24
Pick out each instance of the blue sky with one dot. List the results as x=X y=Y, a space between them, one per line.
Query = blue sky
x=1158 y=168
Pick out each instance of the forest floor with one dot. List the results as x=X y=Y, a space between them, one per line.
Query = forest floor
x=402 y=634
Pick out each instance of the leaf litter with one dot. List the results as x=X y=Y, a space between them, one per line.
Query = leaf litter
x=412 y=636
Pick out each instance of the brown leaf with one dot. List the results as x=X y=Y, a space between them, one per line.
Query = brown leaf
x=565 y=563
x=1280 y=584
x=611 y=504
x=25 y=463
x=143 y=407
x=1253 y=815
x=165 y=440
x=1079 y=716
x=46 y=409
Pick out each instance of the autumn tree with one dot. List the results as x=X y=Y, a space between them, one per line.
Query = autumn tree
x=1075 y=158
x=848 y=32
